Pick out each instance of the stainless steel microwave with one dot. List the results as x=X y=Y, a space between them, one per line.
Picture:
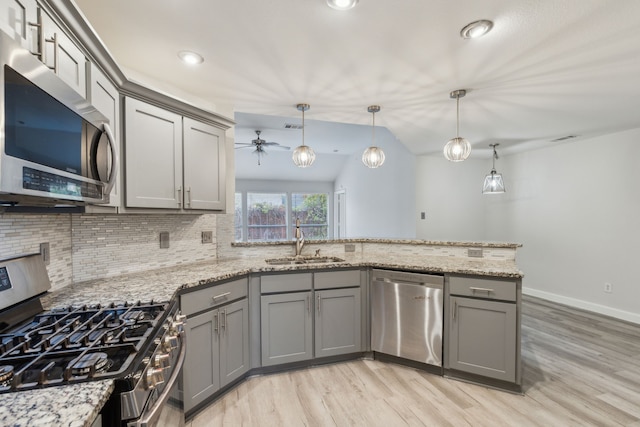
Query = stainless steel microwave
x=55 y=148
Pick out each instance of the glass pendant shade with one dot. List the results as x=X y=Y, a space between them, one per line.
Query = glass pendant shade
x=303 y=156
x=373 y=157
x=457 y=149
x=493 y=183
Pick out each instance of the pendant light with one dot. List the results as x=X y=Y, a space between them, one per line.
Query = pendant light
x=303 y=156
x=373 y=157
x=493 y=183
x=457 y=149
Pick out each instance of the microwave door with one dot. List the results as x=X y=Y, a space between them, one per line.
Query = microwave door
x=103 y=157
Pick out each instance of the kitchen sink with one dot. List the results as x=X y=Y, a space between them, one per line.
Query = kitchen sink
x=292 y=260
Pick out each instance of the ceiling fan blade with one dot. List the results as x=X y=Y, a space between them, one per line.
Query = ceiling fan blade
x=241 y=145
x=284 y=147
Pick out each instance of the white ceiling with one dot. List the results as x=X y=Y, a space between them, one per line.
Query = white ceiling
x=549 y=68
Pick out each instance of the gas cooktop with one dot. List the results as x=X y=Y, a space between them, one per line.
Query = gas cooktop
x=75 y=344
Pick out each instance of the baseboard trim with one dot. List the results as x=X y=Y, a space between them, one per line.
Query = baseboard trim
x=584 y=305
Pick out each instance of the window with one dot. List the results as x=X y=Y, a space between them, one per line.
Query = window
x=266 y=216
x=272 y=216
x=311 y=210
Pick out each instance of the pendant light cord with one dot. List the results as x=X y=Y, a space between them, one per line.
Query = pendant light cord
x=373 y=129
x=457 y=116
x=302 y=126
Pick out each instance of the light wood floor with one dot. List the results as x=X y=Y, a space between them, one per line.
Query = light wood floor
x=580 y=369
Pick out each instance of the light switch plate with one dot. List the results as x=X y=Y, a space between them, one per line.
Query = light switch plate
x=164 y=240
x=45 y=252
x=349 y=247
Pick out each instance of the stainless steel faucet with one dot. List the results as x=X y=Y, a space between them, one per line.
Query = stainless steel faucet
x=299 y=238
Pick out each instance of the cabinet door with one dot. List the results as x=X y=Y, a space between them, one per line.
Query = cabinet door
x=338 y=329
x=103 y=95
x=64 y=57
x=482 y=337
x=287 y=332
x=15 y=16
x=153 y=156
x=201 y=372
x=234 y=341
x=204 y=166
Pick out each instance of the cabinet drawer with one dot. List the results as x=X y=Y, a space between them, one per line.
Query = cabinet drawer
x=483 y=288
x=197 y=301
x=285 y=283
x=337 y=279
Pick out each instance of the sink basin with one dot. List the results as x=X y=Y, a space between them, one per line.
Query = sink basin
x=303 y=260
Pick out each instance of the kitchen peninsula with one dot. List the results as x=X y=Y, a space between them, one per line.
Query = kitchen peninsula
x=458 y=260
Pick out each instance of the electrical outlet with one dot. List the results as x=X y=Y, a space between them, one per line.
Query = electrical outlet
x=423 y=215
x=474 y=252
x=45 y=252
x=207 y=237
x=164 y=240
x=349 y=247
x=608 y=288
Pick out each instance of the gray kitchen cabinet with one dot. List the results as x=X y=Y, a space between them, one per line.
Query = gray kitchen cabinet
x=153 y=156
x=217 y=351
x=337 y=322
x=483 y=328
x=61 y=55
x=15 y=19
x=287 y=330
x=204 y=166
x=172 y=163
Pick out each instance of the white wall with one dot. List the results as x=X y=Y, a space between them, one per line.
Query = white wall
x=574 y=207
x=576 y=210
x=450 y=194
x=380 y=202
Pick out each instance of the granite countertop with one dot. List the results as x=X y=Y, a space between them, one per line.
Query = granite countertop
x=79 y=404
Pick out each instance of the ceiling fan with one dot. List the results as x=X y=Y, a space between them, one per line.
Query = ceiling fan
x=260 y=145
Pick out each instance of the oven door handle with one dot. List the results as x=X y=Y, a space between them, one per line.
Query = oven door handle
x=151 y=419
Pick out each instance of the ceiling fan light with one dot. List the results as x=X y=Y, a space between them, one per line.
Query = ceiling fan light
x=493 y=183
x=457 y=149
x=342 y=4
x=373 y=157
x=303 y=156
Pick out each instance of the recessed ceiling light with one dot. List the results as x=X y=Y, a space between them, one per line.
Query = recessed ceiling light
x=476 y=29
x=342 y=4
x=190 y=58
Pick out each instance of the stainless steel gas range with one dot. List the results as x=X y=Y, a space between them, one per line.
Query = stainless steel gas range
x=141 y=346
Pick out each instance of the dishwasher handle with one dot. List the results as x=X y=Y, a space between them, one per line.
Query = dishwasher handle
x=400 y=282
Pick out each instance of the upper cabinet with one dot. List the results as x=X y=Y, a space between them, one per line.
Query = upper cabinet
x=172 y=162
x=18 y=18
x=61 y=55
x=31 y=26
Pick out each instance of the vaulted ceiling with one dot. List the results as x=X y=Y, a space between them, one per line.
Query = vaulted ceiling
x=548 y=69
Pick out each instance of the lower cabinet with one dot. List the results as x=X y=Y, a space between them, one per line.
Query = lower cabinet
x=483 y=337
x=217 y=351
x=337 y=325
x=287 y=332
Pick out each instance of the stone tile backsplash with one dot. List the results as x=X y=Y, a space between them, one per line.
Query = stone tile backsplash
x=86 y=247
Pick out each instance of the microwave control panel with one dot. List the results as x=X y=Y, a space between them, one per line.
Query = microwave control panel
x=33 y=179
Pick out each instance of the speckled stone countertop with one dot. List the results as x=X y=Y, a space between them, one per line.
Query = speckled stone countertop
x=78 y=404
x=392 y=241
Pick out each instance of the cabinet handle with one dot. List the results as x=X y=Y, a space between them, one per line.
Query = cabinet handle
x=455 y=309
x=308 y=305
x=318 y=305
x=40 y=39
x=54 y=40
x=474 y=289
x=223 y=320
x=215 y=297
x=179 y=196
x=215 y=325
x=188 y=202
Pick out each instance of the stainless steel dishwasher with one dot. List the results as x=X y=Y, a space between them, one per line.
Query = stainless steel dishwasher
x=407 y=315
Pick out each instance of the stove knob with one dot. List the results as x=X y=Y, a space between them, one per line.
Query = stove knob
x=162 y=360
x=170 y=342
x=177 y=325
x=154 y=377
